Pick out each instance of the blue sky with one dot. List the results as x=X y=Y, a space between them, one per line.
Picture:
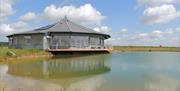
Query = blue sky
x=129 y=22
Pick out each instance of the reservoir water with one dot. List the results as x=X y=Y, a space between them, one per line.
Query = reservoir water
x=128 y=71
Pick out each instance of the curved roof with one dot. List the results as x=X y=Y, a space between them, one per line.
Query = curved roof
x=63 y=26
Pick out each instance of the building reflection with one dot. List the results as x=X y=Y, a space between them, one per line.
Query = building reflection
x=63 y=67
x=60 y=74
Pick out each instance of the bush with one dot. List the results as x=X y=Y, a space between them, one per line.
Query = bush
x=11 y=53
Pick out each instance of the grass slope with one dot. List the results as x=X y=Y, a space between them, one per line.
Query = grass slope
x=20 y=52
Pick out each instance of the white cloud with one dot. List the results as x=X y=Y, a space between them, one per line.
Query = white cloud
x=157 y=37
x=167 y=37
x=140 y=36
x=19 y=26
x=160 y=14
x=178 y=29
x=156 y=34
x=123 y=33
x=5 y=8
x=85 y=14
x=124 y=30
x=5 y=29
x=103 y=29
x=156 y=2
x=28 y=16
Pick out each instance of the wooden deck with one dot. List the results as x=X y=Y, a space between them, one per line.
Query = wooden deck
x=78 y=51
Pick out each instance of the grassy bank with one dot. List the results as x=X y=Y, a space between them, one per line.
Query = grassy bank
x=146 y=48
x=11 y=54
x=6 y=53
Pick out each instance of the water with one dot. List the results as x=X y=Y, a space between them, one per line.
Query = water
x=141 y=71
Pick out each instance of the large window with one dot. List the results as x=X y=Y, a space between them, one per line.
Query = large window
x=79 y=41
x=94 y=41
x=27 y=40
x=61 y=41
x=74 y=41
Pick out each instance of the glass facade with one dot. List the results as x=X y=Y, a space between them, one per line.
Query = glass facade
x=60 y=41
x=94 y=41
x=79 y=41
x=75 y=41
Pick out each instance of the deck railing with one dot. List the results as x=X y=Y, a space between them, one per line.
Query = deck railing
x=87 y=47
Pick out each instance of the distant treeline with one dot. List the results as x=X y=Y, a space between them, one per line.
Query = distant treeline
x=3 y=43
x=146 y=48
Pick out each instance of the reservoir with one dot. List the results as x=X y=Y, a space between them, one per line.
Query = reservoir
x=120 y=71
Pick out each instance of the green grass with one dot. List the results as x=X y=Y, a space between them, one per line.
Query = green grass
x=20 y=52
x=146 y=48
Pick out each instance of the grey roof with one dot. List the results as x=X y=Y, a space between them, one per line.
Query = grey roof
x=63 y=26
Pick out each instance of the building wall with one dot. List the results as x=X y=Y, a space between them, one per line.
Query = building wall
x=27 y=41
x=35 y=41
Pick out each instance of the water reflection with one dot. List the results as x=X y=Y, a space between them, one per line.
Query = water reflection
x=112 y=72
x=60 y=74
x=143 y=72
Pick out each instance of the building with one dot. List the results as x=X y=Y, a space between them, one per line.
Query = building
x=64 y=35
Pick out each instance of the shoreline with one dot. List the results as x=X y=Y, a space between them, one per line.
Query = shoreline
x=145 y=49
x=23 y=57
x=9 y=54
x=33 y=54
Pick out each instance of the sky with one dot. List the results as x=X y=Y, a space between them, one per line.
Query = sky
x=129 y=22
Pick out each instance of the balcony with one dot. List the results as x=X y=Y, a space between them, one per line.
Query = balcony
x=79 y=49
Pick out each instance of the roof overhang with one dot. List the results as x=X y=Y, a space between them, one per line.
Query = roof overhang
x=22 y=34
x=106 y=36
